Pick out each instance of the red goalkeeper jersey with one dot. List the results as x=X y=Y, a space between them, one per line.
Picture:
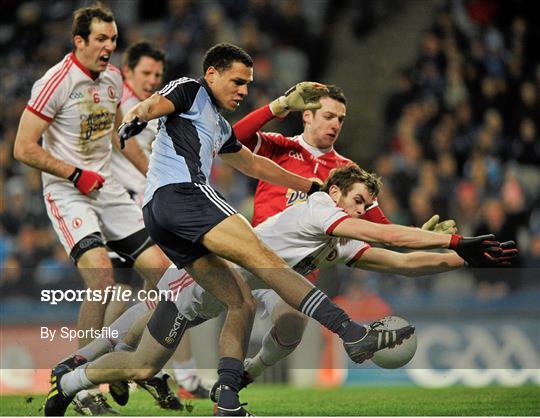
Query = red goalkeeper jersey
x=293 y=154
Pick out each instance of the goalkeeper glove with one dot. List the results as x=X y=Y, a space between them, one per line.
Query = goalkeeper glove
x=483 y=250
x=128 y=129
x=444 y=227
x=86 y=180
x=302 y=96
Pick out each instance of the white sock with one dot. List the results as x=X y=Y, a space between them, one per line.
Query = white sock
x=124 y=322
x=185 y=373
x=160 y=374
x=96 y=348
x=122 y=346
x=75 y=381
x=270 y=353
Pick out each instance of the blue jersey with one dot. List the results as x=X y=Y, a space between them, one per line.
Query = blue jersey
x=188 y=139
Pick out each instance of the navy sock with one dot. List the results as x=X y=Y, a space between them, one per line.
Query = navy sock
x=319 y=307
x=230 y=372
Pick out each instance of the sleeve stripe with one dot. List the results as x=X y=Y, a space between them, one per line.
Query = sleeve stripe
x=51 y=86
x=38 y=114
x=170 y=87
x=358 y=255
x=259 y=143
x=335 y=224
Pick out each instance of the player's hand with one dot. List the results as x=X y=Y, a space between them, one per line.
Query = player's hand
x=484 y=251
x=86 y=181
x=500 y=256
x=445 y=227
x=128 y=129
x=302 y=96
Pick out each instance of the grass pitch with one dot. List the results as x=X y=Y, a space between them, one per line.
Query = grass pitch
x=280 y=400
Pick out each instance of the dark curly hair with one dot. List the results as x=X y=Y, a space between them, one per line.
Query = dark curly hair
x=345 y=177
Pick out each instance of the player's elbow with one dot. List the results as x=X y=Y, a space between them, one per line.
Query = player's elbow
x=19 y=152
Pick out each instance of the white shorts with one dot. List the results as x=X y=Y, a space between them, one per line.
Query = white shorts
x=108 y=210
x=193 y=301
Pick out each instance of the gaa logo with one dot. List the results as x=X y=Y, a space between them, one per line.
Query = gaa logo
x=76 y=223
x=111 y=92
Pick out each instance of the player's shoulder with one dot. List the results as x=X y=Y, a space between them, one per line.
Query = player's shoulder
x=128 y=95
x=280 y=140
x=339 y=159
x=58 y=72
x=320 y=199
x=186 y=83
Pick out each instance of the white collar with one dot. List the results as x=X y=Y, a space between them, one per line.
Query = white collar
x=317 y=152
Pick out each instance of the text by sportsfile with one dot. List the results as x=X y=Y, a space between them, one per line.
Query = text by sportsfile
x=110 y=293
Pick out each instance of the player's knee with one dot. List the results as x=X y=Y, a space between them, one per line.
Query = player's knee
x=289 y=327
x=131 y=247
x=84 y=245
x=143 y=373
x=246 y=304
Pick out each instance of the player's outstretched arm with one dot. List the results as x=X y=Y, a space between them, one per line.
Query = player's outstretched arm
x=417 y=263
x=27 y=149
x=420 y=263
x=264 y=169
x=392 y=234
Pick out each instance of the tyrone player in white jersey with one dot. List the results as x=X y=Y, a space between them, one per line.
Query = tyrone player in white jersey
x=73 y=107
x=325 y=230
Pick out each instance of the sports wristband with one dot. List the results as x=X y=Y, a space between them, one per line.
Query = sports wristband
x=74 y=177
x=454 y=241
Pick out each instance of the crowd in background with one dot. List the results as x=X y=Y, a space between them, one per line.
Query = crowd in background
x=462 y=131
x=461 y=124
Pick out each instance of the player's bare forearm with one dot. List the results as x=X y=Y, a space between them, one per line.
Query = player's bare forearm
x=153 y=107
x=28 y=151
x=264 y=169
x=394 y=235
x=414 y=264
x=267 y=170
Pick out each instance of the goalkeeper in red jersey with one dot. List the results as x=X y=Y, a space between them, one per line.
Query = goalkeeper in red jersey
x=309 y=154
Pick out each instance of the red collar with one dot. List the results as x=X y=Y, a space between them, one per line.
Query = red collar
x=85 y=70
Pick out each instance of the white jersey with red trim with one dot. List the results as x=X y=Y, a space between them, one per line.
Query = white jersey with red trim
x=81 y=110
x=302 y=235
x=123 y=170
